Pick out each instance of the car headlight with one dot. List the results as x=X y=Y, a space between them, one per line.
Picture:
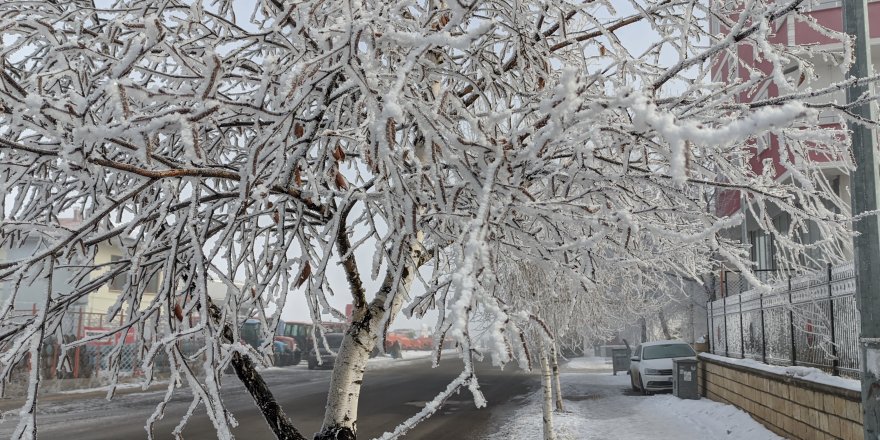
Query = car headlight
x=652 y=372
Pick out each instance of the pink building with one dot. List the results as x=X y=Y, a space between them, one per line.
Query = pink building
x=827 y=71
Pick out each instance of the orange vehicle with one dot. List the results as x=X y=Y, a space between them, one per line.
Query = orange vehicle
x=400 y=337
x=410 y=340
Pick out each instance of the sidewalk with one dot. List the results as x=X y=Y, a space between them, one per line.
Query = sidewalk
x=601 y=406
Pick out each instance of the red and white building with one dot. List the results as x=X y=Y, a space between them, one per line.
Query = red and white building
x=789 y=31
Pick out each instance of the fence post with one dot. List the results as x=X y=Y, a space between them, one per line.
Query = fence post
x=726 y=341
x=791 y=325
x=835 y=363
x=76 y=354
x=710 y=331
x=723 y=283
x=763 y=332
x=742 y=339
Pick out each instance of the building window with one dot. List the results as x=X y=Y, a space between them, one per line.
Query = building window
x=117 y=284
x=817 y=5
x=762 y=249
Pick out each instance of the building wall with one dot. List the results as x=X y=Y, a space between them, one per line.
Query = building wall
x=790 y=407
x=32 y=291
x=33 y=294
x=105 y=297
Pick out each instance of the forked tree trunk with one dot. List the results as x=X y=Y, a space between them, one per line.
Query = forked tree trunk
x=557 y=386
x=340 y=415
x=547 y=379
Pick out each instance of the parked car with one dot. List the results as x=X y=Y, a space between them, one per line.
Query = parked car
x=328 y=359
x=651 y=364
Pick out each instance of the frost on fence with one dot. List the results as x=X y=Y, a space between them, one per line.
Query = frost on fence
x=808 y=320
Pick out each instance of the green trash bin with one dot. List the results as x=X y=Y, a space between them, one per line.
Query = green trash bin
x=684 y=379
x=620 y=359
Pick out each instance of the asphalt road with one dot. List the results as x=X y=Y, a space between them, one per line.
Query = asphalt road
x=388 y=396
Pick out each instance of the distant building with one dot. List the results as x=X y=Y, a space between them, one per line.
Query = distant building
x=32 y=295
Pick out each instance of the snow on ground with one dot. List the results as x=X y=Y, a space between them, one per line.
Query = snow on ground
x=602 y=406
x=382 y=362
x=589 y=363
x=119 y=387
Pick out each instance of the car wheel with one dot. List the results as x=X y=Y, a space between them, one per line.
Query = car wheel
x=632 y=383
x=645 y=391
x=297 y=358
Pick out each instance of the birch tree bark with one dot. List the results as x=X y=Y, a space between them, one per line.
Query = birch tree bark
x=547 y=401
x=369 y=321
x=557 y=385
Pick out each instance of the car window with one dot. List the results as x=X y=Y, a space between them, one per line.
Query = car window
x=664 y=351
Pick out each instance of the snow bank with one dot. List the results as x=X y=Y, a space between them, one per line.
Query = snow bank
x=809 y=374
x=588 y=363
x=602 y=406
x=105 y=388
x=387 y=361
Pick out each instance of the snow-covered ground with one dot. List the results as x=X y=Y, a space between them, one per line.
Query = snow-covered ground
x=601 y=406
x=588 y=363
x=406 y=355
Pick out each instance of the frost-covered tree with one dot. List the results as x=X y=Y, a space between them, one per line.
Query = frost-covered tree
x=261 y=147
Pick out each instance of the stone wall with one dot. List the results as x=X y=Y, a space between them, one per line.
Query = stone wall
x=789 y=406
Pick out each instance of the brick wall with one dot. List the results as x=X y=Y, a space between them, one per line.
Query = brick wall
x=791 y=407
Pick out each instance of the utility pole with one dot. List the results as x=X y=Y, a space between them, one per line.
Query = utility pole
x=864 y=199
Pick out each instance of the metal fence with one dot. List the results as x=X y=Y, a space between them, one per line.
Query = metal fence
x=808 y=320
x=97 y=358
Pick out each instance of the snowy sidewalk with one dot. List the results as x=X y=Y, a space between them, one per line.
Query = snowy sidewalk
x=601 y=406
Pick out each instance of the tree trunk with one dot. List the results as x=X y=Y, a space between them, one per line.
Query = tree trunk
x=547 y=379
x=280 y=424
x=557 y=386
x=664 y=326
x=693 y=322
x=340 y=415
x=253 y=382
x=644 y=327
